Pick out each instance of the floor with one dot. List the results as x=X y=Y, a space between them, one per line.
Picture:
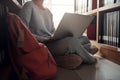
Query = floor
x=102 y=70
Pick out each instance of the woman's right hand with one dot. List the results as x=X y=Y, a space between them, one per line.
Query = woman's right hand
x=47 y=38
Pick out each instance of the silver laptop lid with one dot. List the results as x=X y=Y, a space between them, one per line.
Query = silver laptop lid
x=72 y=25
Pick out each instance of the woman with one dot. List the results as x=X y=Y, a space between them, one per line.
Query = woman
x=39 y=20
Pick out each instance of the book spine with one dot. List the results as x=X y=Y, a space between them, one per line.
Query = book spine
x=94 y=4
x=117 y=1
x=118 y=28
x=89 y=5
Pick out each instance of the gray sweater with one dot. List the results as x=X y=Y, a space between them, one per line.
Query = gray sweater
x=38 y=21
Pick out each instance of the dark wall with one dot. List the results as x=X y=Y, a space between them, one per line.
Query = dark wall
x=11 y=5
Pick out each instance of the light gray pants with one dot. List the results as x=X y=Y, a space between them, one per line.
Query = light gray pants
x=80 y=46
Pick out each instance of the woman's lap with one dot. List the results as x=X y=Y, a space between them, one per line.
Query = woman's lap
x=70 y=45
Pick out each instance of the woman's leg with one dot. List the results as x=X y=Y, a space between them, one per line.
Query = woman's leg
x=70 y=45
x=85 y=42
x=87 y=45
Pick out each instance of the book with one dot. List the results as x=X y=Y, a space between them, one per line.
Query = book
x=91 y=31
x=94 y=4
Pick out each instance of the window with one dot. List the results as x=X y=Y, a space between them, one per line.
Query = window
x=58 y=8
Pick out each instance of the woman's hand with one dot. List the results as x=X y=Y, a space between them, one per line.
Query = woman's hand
x=42 y=39
x=47 y=38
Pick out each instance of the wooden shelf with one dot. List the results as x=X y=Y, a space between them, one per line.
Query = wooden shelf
x=110 y=53
x=109 y=7
x=92 y=12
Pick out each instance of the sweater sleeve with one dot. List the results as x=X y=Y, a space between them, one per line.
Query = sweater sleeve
x=25 y=13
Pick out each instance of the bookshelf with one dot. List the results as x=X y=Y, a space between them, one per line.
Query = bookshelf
x=100 y=9
x=103 y=9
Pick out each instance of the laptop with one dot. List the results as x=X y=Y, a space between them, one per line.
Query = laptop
x=72 y=24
